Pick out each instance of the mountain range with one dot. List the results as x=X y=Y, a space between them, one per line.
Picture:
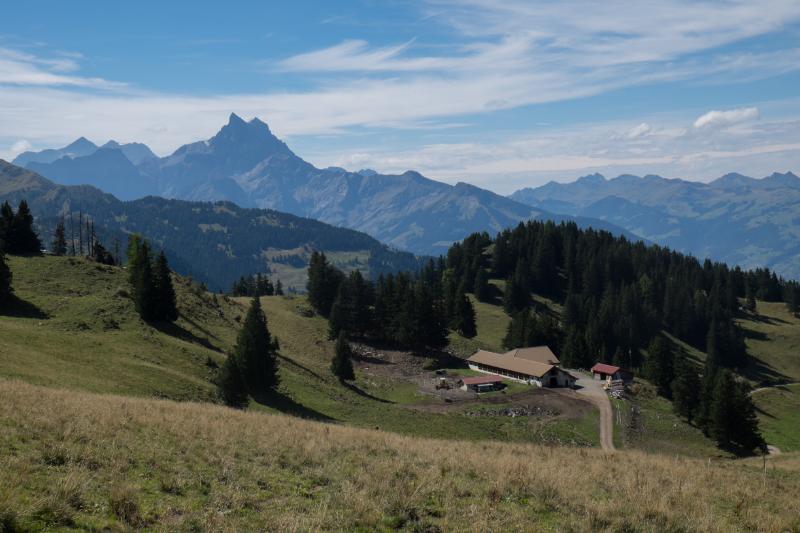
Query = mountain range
x=214 y=242
x=736 y=219
x=245 y=163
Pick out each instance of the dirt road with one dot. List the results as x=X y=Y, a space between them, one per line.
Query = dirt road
x=592 y=391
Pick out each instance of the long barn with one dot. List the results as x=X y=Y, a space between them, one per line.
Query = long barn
x=535 y=366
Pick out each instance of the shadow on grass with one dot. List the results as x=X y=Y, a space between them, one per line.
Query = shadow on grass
x=764 y=375
x=19 y=308
x=771 y=320
x=286 y=405
x=755 y=335
x=174 y=330
x=363 y=393
x=295 y=364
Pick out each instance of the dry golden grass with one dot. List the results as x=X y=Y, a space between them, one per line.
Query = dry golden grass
x=73 y=459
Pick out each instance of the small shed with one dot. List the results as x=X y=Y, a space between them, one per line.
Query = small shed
x=481 y=383
x=603 y=371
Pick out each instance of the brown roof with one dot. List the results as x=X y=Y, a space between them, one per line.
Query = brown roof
x=480 y=380
x=510 y=363
x=538 y=354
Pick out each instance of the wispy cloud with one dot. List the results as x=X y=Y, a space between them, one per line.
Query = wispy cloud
x=17 y=68
x=714 y=119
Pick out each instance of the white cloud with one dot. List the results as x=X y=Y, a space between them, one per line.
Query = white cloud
x=717 y=119
x=20 y=146
x=18 y=68
x=640 y=131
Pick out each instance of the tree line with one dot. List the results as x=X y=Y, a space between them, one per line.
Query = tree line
x=411 y=311
x=257 y=285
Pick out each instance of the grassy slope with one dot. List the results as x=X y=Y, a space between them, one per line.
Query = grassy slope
x=94 y=462
x=80 y=330
x=773 y=338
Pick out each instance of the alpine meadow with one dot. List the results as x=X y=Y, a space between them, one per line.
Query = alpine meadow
x=358 y=266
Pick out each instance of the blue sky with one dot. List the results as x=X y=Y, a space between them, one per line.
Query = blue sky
x=503 y=95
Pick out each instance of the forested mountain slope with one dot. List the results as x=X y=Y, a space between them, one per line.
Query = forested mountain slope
x=215 y=242
x=734 y=219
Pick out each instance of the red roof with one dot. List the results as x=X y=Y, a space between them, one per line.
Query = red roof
x=480 y=380
x=602 y=368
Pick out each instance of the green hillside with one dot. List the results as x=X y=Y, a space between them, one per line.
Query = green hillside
x=77 y=328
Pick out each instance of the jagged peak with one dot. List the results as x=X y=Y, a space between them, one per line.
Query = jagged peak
x=235 y=119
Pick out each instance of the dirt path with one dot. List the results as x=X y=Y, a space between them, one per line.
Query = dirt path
x=592 y=391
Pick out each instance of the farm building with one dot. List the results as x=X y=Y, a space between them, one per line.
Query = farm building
x=524 y=367
x=481 y=383
x=610 y=372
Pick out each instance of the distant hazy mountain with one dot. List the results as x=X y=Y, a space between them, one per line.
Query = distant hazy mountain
x=137 y=153
x=78 y=148
x=106 y=168
x=246 y=164
x=214 y=242
x=736 y=219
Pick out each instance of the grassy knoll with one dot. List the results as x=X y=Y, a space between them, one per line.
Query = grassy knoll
x=81 y=460
x=75 y=326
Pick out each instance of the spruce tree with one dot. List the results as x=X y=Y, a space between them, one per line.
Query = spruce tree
x=144 y=294
x=342 y=365
x=323 y=283
x=256 y=352
x=6 y=221
x=231 y=386
x=22 y=237
x=278 y=288
x=732 y=420
x=165 y=302
x=517 y=294
x=465 y=317
x=659 y=367
x=5 y=277
x=481 y=286
x=686 y=389
x=60 y=239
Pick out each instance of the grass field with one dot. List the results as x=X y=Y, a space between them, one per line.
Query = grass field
x=773 y=339
x=78 y=329
x=779 y=416
x=104 y=462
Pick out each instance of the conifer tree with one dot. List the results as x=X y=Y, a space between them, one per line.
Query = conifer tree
x=5 y=277
x=659 y=367
x=144 y=294
x=256 y=352
x=166 y=306
x=465 y=317
x=323 y=283
x=231 y=386
x=22 y=238
x=60 y=239
x=278 y=288
x=342 y=365
x=6 y=222
x=686 y=389
x=481 y=286
x=517 y=294
x=732 y=421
